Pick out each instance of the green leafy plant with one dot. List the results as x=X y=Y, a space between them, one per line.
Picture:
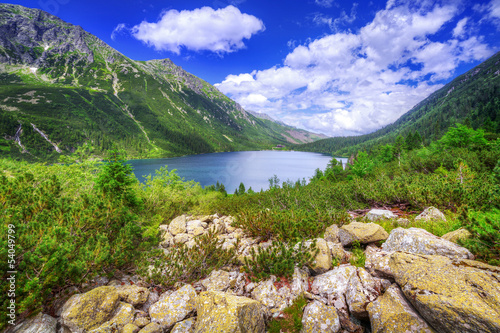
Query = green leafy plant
x=358 y=255
x=292 y=318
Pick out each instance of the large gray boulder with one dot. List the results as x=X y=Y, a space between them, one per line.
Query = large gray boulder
x=173 y=307
x=364 y=233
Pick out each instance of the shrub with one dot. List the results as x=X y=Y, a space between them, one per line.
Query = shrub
x=292 y=318
x=358 y=255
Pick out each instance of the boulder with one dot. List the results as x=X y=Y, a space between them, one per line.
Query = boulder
x=185 y=326
x=173 y=307
x=141 y=319
x=320 y=318
x=275 y=300
x=133 y=294
x=84 y=312
x=323 y=260
x=152 y=298
x=364 y=233
x=379 y=214
x=454 y=236
x=391 y=313
x=332 y=234
x=431 y=213
x=178 y=225
x=41 y=323
x=420 y=241
x=403 y=222
x=195 y=227
x=130 y=328
x=167 y=240
x=451 y=295
x=300 y=281
x=338 y=252
x=182 y=238
x=217 y=281
x=122 y=316
x=377 y=262
x=151 y=328
x=222 y=312
x=361 y=290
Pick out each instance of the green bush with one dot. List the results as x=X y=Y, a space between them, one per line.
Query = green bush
x=358 y=255
x=292 y=319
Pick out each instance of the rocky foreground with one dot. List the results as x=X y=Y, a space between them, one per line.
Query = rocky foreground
x=416 y=282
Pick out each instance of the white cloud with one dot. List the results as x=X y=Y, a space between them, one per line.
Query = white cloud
x=459 y=30
x=354 y=83
x=324 y=3
x=221 y=31
x=335 y=24
x=120 y=28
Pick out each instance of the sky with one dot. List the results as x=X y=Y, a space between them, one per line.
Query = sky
x=329 y=66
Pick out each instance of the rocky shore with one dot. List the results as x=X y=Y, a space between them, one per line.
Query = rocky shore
x=414 y=282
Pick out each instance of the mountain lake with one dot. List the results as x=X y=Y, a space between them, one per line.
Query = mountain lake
x=253 y=168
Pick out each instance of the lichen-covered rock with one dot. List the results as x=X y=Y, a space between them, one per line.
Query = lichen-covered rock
x=403 y=222
x=364 y=233
x=195 y=227
x=182 y=238
x=41 y=323
x=332 y=234
x=431 y=213
x=167 y=240
x=141 y=319
x=222 y=312
x=391 y=313
x=454 y=236
x=377 y=262
x=379 y=214
x=178 y=225
x=152 y=298
x=451 y=295
x=133 y=294
x=420 y=241
x=151 y=328
x=338 y=252
x=123 y=315
x=275 y=300
x=174 y=307
x=130 y=328
x=300 y=281
x=323 y=260
x=319 y=318
x=185 y=326
x=361 y=290
x=84 y=312
x=217 y=281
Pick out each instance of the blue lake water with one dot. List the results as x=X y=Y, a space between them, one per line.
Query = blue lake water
x=253 y=168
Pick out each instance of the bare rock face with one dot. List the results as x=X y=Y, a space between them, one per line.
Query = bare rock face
x=222 y=312
x=391 y=312
x=420 y=241
x=451 y=295
x=364 y=233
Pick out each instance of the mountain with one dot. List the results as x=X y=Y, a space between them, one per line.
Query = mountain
x=62 y=88
x=472 y=98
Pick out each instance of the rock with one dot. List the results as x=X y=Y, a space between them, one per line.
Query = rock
x=364 y=233
x=275 y=300
x=217 y=281
x=185 y=326
x=338 y=252
x=403 y=222
x=141 y=319
x=123 y=315
x=420 y=241
x=222 y=312
x=454 y=236
x=173 y=307
x=300 y=281
x=41 y=323
x=391 y=312
x=332 y=234
x=168 y=240
x=431 y=213
x=151 y=328
x=319 y=318
x=178 y=225
x=451 y=295
x=84 y=312
x=379 y=214
x=377 y=262
x=323 y=260
x=152 y=298
x=133 y=294
x=195 y=228
x=182 y=238
x=361 y=290
x=130 y=328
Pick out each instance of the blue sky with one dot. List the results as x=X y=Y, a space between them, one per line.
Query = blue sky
x=330 y=66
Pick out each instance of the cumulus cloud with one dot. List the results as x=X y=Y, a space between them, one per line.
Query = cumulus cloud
x=221 y=31
x=354 y=83
x=324 y=3
x=337 y=23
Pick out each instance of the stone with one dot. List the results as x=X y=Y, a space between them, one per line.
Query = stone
x=133 y=294
x=217 y=281
x=323 y=260
x=454 y=236
x=332 y=234
x=275 y=300
x=151 y=328
x=320 y=318
x=337 y=251
x=451 y=295
x=223 y=312
x=123 y=315
x=206 y=218
x=431 y=213
x=300 y=281
x=195 y=228
x=178 y=225
x=364 y=233
x=391 y=312
x=403 y=222
x=174 y=307
x=377 y=262
x=41 y=323
x=152 y=298
x=141 y=319
x=130 y=328
x=361 y=290
x=167 y=240
x=420 y=241
x=185 y=326
x=379 y=214
x=182 y=238
x=84 y=312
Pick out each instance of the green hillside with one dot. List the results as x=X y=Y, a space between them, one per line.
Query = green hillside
x=472 y=98
x=62 y=88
